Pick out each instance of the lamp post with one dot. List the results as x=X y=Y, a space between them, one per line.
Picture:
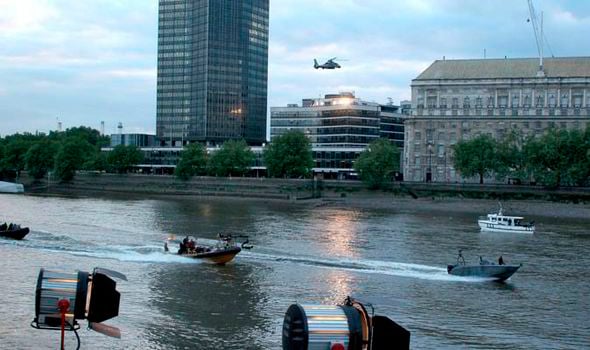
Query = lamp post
x=429 y=170
x=445 y=168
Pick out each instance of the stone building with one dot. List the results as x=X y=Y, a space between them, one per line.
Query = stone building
x=461 y=99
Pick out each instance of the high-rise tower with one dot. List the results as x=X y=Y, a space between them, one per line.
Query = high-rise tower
x=212 y=70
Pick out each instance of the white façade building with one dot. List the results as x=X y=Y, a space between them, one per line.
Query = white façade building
x=461 y=99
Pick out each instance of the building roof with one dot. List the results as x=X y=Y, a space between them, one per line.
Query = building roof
x=559 y=67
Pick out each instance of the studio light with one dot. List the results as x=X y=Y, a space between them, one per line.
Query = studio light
x=341 y=327
x=63 y=298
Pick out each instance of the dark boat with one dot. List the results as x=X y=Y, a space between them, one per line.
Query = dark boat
x=484 y=269
x=13 y=231
x=220 y=251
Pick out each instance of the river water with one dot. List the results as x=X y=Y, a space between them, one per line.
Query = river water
x=396 y=259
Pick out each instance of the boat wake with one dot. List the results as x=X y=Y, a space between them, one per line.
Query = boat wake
x=154 y=254
x=390 y=268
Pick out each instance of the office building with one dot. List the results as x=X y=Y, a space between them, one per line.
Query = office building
x=212 y=71
x=339 y=127
x=461 y=99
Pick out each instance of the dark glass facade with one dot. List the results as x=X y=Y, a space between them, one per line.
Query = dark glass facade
x=212 y=71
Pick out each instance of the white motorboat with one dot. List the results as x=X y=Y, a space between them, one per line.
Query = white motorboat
x=9 y=187
x=498 y=222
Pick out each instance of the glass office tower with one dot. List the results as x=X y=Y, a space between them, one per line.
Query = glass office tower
x=212 y=71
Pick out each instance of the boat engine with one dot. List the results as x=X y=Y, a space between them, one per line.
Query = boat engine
x=347 y=326
x=63 y=298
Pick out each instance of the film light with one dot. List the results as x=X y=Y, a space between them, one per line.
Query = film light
x=341 y=327
x=77 y=296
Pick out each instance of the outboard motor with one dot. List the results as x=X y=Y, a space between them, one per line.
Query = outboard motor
x=340 y=327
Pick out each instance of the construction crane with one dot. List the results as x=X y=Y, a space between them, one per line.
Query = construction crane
x=538 y=29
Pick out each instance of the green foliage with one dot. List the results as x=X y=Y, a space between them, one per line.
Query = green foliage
x=560 y=157
x=97 y=161
x=511 y=157
x=193 y=162
x=15 y=149
x=122 y=158
x=377 y=163
x=476 y=156
x=70 y=158
x=289 y=155
x=233 y=158
x=40 y=158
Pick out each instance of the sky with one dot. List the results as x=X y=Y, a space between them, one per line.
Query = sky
x=83 y=62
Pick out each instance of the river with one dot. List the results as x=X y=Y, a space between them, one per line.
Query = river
x=393 y=258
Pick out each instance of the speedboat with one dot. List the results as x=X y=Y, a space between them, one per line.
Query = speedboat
x=218 y=251
x=13 y=231
x=484 y=269
x=498 y=222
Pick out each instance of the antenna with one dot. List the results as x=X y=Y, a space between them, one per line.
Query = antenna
x=538 y=36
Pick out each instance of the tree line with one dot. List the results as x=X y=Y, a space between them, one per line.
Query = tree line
x=63 y=153
x=557 y=158
x=287 y=156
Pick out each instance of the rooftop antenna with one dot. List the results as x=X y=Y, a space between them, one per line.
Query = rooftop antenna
x=538 y=29
x=484 y=54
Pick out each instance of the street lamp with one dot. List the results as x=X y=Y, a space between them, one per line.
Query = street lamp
x=429 y=170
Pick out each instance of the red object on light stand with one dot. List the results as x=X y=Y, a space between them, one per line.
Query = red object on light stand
x=63 y=305
x=337 y=346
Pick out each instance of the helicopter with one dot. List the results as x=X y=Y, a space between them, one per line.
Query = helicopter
x=330 y=64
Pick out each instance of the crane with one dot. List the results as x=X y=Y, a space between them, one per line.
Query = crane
x=538 y=29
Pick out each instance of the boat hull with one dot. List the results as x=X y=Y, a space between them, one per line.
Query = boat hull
x=498 y=272
x=218 y=257
x=15 y=234
x=494 y=227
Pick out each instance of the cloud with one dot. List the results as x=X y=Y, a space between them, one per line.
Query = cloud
x=20 y=17
x=87 y=61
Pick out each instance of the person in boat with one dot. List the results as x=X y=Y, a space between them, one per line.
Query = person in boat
x=500 y=260
x=191 y=245
x=460 y=258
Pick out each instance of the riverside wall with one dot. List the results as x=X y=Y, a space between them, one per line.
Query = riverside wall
x=293 y=189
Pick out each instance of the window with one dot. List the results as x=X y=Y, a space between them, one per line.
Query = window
x=564 y=100
x=478 y=102
x=441 y=150
x=515 y=101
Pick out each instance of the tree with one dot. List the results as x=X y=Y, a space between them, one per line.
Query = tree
x=233 y=158
x=40 y=158
x=122 y=158
x=511 y=157
x=97 y=161
x=289 y=155
x=560 y=157
x=70 y=158
x=193 y=162
x=377 y=163
x=14 y=153
x=476 y=156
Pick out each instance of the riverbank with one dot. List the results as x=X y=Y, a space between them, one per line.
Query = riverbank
x=476 y=200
